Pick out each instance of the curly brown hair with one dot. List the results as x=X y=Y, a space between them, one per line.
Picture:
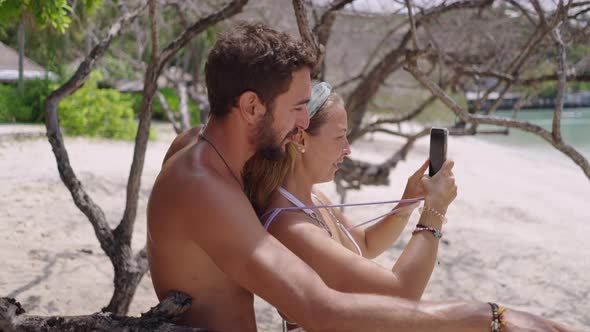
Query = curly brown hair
x=252 y=57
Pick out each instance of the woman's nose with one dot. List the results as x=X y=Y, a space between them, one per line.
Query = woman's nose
x=346 y=148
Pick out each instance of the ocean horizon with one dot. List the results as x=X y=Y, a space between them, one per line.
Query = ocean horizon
x=575 y=130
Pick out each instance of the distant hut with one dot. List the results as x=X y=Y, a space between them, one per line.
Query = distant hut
x=9 y=67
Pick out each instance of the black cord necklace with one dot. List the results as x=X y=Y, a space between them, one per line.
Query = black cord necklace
x=201 y=136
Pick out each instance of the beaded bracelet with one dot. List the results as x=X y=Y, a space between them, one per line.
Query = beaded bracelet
x=420 y=228
x=433 y=211
x=498 y=321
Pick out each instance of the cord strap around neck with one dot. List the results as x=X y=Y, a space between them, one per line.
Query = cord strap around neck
x=201 y=136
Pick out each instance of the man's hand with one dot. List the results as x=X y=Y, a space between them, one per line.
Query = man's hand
x=440 y=189
x=518 y=321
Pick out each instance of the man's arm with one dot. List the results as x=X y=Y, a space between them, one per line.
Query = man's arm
x=340 y=268
x=225 y=226
x=223 y=223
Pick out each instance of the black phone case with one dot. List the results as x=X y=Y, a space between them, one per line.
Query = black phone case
x=438 y=149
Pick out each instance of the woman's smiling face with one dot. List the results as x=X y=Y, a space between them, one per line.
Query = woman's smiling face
x=325 y=150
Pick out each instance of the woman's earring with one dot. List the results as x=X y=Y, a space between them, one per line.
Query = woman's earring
x=300 y=147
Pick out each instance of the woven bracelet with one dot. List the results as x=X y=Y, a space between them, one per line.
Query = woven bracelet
x=421 y=228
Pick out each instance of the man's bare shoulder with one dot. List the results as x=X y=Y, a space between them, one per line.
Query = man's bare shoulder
x=188 y=179
x=183 y=140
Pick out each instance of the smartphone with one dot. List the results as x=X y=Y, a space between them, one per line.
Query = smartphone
x=438 y=149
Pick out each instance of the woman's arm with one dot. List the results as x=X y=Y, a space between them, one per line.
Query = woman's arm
x=339 y=268
x=416 y=262
x=377 y=238
x=346 y=272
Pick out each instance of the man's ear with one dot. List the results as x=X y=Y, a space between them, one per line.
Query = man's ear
x=250 y=107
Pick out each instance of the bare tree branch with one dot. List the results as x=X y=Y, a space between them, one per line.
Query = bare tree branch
x=412 y=25
x=376 y=125
x=168 y=112
x=382 y=42
x=522 y=10
x=512 y=73
x=403 y=152
x=555 y=77
x=580 y=4
x=171 y=49
x=202 y=103
x=516 y=64
x=543 y=29
x=129 y=269
x=154 y=69
x=500 y=98
x=561 y=72
x=474 y=71
x=540 y=12
x=81 y=198
x=355 y=173
x=307 y=36
x=185 y=121
x=160 y=318
x=322 y=30
x=125 y=229
x=576 y=156
x=580 y=13
x=348 y=81
x=357 y=101
x=136 y=64
x=473 y=131
x=324 y=25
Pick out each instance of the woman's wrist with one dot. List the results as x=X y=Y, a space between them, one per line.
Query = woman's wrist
x=429 y=221
x=434 y=212
x=436 y=204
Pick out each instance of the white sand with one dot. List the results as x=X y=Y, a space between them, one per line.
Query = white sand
x=517 y=233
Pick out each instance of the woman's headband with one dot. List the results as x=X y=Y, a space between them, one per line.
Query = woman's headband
x=319 y=95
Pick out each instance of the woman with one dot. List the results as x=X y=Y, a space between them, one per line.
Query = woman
x=322 y=238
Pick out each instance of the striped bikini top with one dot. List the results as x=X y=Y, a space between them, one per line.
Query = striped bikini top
x=291 y=198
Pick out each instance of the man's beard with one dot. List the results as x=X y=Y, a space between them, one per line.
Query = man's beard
x=267 y=142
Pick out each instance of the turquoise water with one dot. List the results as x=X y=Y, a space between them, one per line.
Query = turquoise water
x=575 y=129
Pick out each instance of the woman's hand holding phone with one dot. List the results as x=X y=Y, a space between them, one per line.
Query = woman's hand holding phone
x=440 y=189
x=414 y=187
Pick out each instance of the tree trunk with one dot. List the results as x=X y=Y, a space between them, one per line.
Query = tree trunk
x=202 y=103
x=168 y=112
x=159 y=318
x=88 y=40
x=126 y=282
x=21 y=55
x=185 y=120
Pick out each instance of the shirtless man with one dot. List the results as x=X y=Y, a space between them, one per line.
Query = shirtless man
x=204 y=238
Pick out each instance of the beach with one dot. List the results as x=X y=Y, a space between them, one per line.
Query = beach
x=517 y=232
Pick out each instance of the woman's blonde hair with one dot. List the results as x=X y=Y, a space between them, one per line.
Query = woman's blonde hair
x=262 y=176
